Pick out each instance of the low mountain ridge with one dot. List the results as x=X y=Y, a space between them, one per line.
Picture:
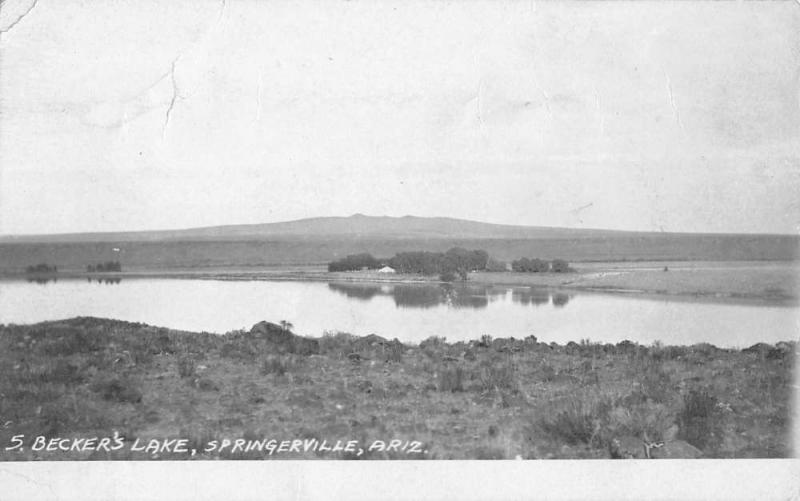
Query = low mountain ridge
x=356 y=226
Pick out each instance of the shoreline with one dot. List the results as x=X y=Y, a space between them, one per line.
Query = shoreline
x=603 y=281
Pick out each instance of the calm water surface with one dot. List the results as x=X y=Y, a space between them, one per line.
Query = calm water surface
x=408 y=312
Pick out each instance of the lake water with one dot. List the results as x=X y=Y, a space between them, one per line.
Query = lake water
x=409 y=312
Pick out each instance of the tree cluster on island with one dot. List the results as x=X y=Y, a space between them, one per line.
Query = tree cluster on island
x=525 y=265
x=41 y=268
x=104 y=267
x=355 y=262
x=455 y=263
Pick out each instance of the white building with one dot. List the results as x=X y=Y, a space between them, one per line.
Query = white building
x=387 y=269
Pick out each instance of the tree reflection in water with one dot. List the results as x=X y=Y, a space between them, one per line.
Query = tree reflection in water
x=534 y=297
x=422 y=296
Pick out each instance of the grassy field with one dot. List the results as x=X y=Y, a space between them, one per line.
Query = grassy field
x=767 y=281
x=74 y=380
x=277 y=251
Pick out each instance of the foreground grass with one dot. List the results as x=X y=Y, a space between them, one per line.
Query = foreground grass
x=489 y=399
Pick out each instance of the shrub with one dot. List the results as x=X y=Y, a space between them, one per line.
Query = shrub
x=54 y=419
x=450 y=379
x=119 y=390
x=393 y=351
x=456 y=260
x=526 y=265
x=578 y=420
x=187 y=367
x=65 y=341
x=559 y=266
x=336 y=343
x=485 y=341
x=700 y=420
x=493 y=376
x=448 y=276
x=107 y=266
x=495 y=265
x=355 y=262
x=41 y=268
x=648 y=419
x=276 y=365
x=433 y=341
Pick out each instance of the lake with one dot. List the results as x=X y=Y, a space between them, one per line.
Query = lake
x=409 y=312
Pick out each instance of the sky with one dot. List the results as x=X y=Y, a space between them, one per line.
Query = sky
x=664 y=116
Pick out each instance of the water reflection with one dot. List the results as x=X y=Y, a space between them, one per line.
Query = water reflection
x=423 y=296
x=560 y=299
x=113 y=280
x=534 y=297
x=42 y=280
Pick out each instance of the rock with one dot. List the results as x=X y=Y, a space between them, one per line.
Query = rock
x=676 y=449
x=205 y=384
x=282 y=340
x=759 y=348
x=627 y=447
x=373 y=340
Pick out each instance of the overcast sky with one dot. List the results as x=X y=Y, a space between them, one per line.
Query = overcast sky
x=128 y=115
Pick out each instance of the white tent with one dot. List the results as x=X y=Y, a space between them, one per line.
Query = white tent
x=386 y=269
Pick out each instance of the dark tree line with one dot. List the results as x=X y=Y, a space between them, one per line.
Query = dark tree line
x=355 y=262
x=42 y=268
x=526 y=265
x=456 y=262
x=104 y=267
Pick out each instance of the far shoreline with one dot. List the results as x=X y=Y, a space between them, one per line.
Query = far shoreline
x=766 y=283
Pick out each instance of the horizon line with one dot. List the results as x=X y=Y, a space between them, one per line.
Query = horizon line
x=359 y=214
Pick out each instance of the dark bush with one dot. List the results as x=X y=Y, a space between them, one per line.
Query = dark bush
x=700 y=420
x=526 y=265
x=119 y=390
x=355 y=262
x=497 y=376
x=578 y=420
x=108 y=266
x=559 y=266
x=41 y=268
x=457 y=261
x=187 y=367
x=448 y=276
x=450 y=379
x=276 y=365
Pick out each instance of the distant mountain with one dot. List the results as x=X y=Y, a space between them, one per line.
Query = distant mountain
x=355 y=226
x=320 y=240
